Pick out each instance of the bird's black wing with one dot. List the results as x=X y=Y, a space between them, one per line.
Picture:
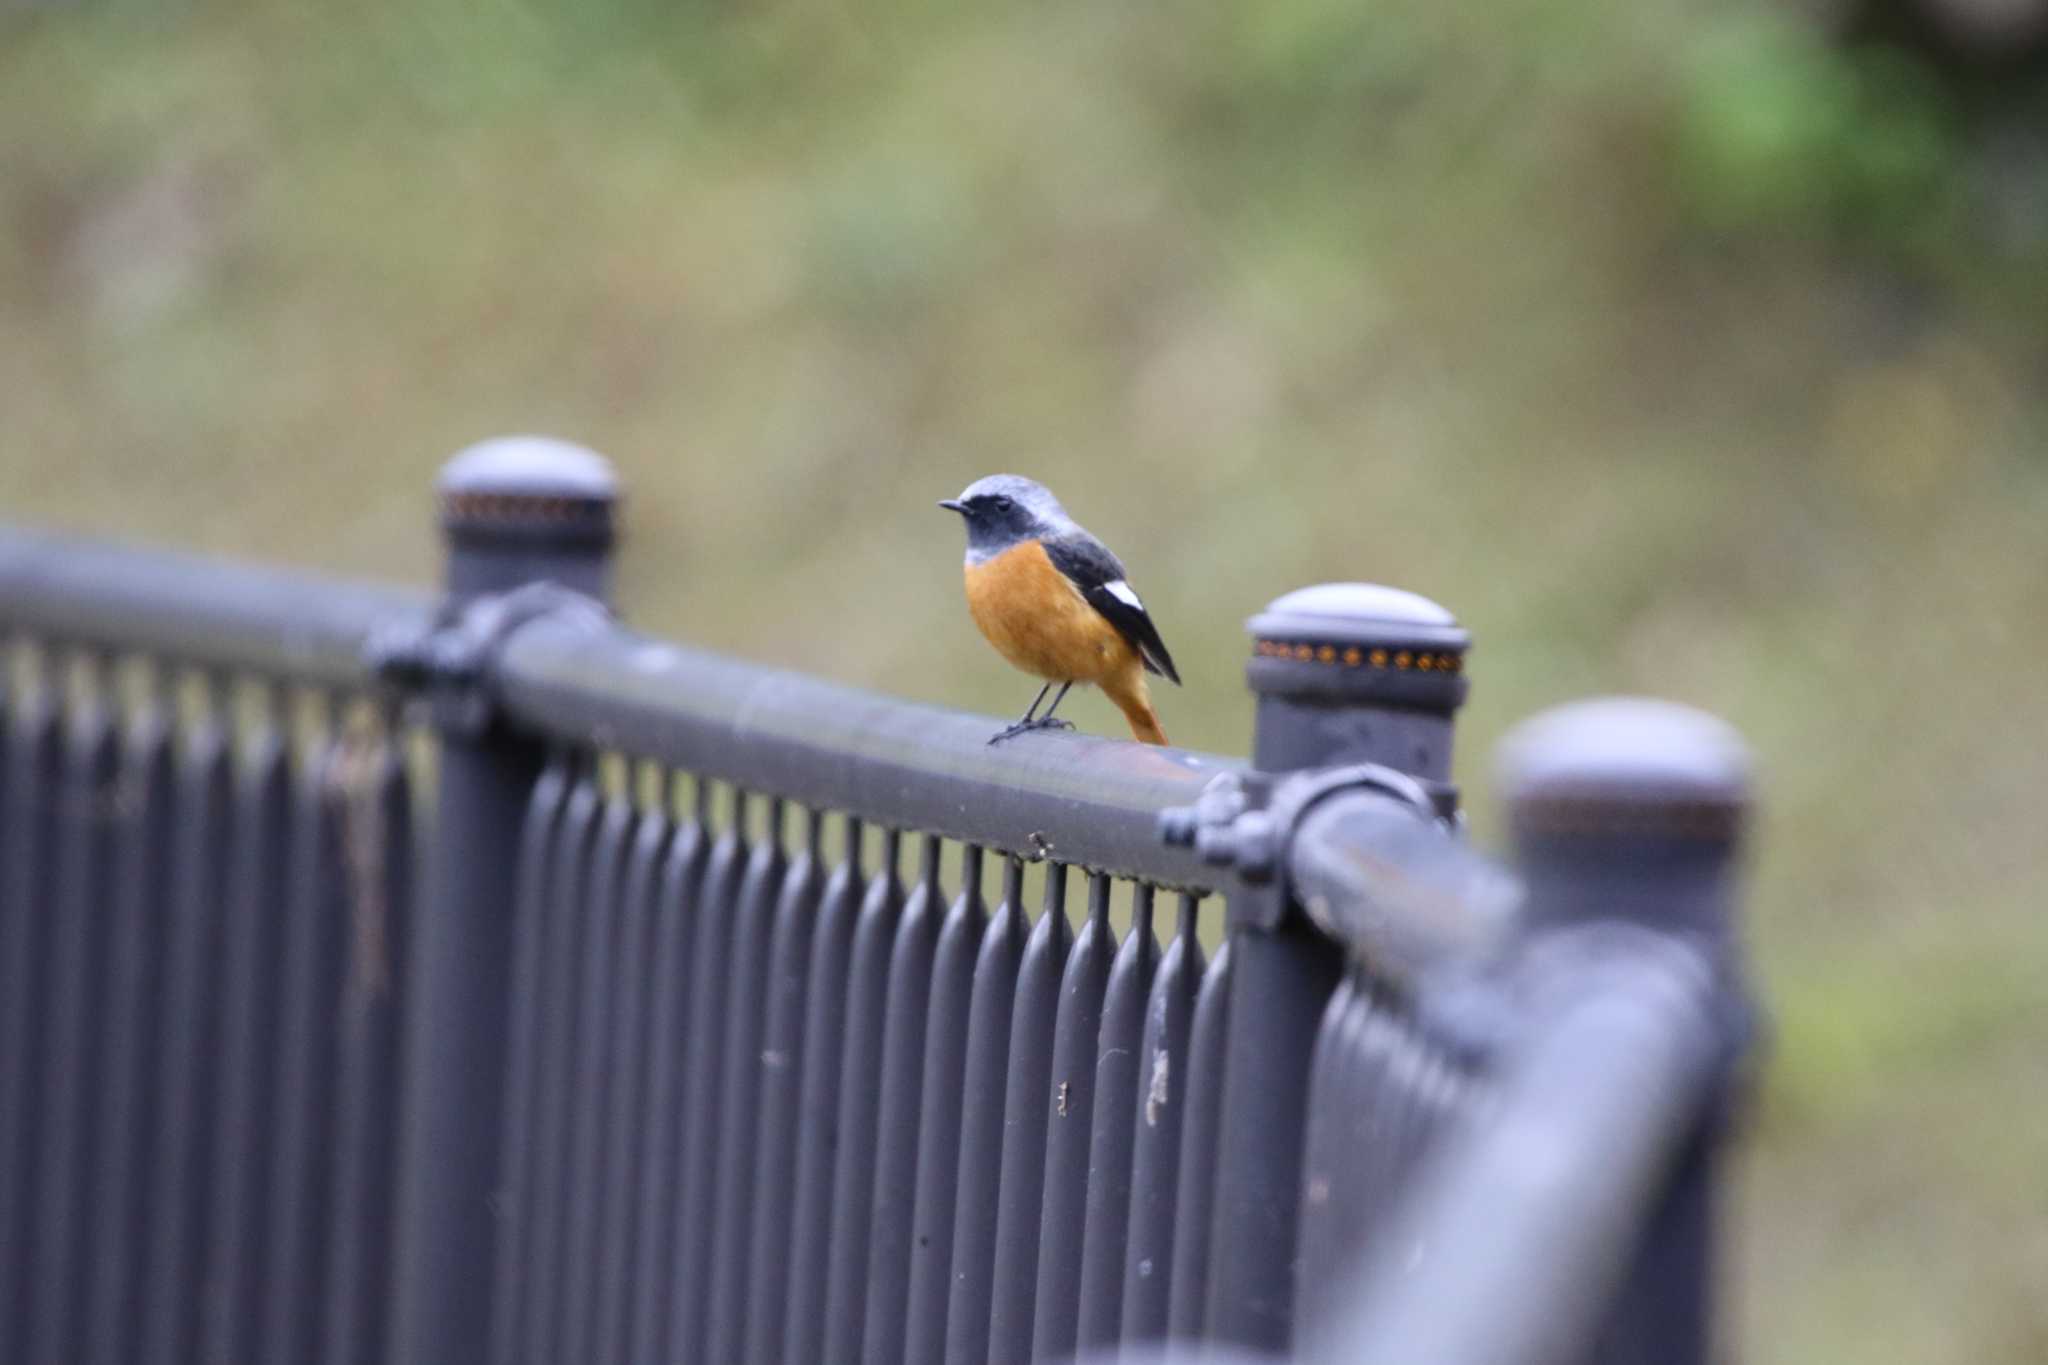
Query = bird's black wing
x=1088 y=563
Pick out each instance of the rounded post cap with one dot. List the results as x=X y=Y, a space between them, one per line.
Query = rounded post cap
x=1362 y=642
x=529 y=487
x=1625 y=765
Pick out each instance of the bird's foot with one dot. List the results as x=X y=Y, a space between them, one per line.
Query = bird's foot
x=1022 y=726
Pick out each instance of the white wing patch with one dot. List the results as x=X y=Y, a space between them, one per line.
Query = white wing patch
x=1121 y=591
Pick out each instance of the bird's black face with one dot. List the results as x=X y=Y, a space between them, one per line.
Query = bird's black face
x=995 y=521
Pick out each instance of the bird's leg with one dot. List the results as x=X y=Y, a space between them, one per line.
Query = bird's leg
x=1027 y=723
x=1046 y=722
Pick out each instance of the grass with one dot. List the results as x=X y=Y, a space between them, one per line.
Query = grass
x=1564 y=313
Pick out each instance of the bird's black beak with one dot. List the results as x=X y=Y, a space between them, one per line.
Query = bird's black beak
x=953 y=505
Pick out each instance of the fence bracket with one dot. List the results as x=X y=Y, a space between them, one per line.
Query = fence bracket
x=447 y=661
x=1248 y=821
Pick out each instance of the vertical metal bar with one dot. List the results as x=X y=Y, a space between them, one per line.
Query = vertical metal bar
x=374 y=810
x=1076 y=1030
x=1109 y=1148
x=87 y=809
x=1281 y=981
x=978 y=1194
x=1367 y=1179
x=842 y=1095
x=806 y=1016
x=10 y=701
x=255 y=938
x=34 y=761
x=768 y=880
x=661 y=1175
x=302 y=1133
x=1331 y=1155
x=596 y=991
x=710 y=981
x=1392 y=1124
x=883 y=1069
x=516 y=512
x=1200 y=1127
x=191 y=1041
x=938 y=1146
x=1162 y=1108
x=15 y=922
x=537 y=839
x=629 y=1122
x=1361 y=1192
x=870 y=1281
x=563 y=935
x=1443 y=1098
x=1020 y=1209
x=453 y=1088
x=9 y=706
x=121 y=1228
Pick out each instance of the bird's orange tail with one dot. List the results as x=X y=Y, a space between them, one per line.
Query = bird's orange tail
x=1134 y=699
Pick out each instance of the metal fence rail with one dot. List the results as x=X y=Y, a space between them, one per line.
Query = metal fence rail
x=713 y=1013
x=198 y=613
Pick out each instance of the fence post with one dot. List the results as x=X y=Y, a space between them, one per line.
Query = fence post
x=1633 y=811
x=1344 y=673
x=514 y=511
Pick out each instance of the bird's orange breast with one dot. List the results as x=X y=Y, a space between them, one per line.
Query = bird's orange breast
x=1038 y=620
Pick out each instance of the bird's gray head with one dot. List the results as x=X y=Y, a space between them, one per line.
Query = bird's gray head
x=1003 y=509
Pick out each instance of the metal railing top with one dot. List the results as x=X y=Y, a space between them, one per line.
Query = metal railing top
x=214 y=614
x=1081 y=799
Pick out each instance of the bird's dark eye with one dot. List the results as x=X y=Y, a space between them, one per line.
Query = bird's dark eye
x=1001 y=503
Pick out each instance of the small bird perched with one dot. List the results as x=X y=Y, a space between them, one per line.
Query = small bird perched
x=1053 y=601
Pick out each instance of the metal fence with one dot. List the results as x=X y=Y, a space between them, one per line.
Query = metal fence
x=704 y=1012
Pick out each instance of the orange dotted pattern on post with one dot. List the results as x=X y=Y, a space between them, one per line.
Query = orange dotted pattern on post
x=1352 y=656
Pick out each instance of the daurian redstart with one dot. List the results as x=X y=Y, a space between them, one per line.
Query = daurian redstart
x=1053 y=601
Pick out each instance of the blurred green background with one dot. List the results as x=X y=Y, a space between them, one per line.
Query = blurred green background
x=1681 y=348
